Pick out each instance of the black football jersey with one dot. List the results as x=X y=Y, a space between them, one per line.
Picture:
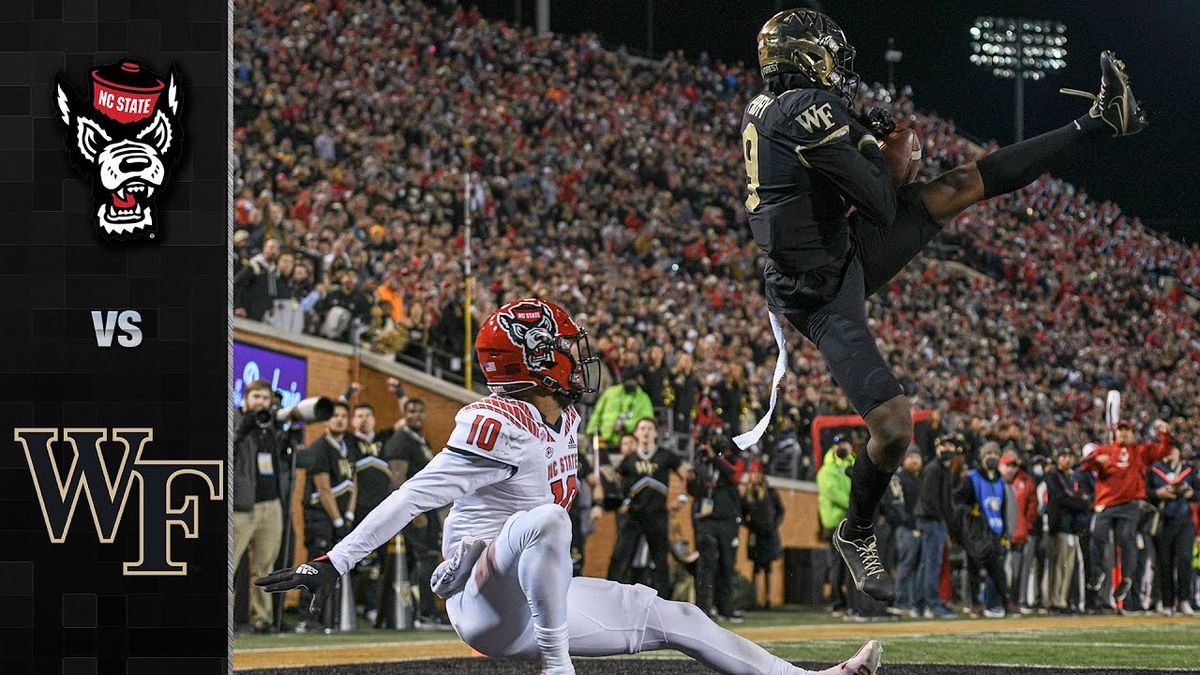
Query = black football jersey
x=337 y=460
x=374 y=479
x=647 y=481
x=803 y=171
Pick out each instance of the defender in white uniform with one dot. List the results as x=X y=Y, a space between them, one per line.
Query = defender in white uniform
x=509 y=469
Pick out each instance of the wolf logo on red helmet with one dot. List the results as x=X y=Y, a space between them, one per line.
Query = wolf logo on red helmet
x=531 y=343
x=531 y=328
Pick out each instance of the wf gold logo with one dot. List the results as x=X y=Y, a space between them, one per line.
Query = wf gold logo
x=107 y=490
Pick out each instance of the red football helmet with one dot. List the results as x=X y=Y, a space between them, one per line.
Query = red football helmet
x=531 y=343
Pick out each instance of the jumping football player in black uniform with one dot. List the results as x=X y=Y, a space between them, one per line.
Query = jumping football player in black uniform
x=809 y=158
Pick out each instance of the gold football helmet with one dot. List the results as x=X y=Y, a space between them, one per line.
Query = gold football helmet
x=810 y=44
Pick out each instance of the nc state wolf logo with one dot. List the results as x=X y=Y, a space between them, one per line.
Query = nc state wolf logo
x=531 y=327
x=126 y=137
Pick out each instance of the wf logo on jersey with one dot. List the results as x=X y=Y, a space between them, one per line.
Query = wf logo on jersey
x=531 y=327
x=107 y=489
x=126 y=137
x=816 y=117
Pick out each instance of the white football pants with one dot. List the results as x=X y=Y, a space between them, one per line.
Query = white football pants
x=524 y=577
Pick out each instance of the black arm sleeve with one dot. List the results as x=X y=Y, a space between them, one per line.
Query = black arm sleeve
x=861 y=176
x=831 y=142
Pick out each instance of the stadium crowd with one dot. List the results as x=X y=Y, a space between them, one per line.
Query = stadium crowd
x=613 y=184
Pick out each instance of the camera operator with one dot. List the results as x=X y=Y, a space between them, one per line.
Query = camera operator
x=716 y=514
x=329 y=490
x=257 y=487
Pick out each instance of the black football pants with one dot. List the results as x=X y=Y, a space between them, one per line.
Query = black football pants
x=839 y=327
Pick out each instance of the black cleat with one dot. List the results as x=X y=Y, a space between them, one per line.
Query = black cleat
x=1115 y=104
x=862 y=559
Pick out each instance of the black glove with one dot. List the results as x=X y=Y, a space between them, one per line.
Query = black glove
x=878 y=122
x=340 y=531
x=318 y=576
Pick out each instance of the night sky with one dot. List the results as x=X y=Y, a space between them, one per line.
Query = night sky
x=1155 y=175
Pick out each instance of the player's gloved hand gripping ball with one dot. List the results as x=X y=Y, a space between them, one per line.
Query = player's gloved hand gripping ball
x=879 y=121
x=318 y=576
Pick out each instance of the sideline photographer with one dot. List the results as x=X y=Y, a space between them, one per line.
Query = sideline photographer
x=716 y=514
x=258 y=482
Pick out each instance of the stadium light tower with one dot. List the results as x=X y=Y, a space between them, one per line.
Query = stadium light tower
x=1020 y=49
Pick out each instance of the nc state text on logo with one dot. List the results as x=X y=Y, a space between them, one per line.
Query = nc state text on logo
x=107 y=491
x=127 y=138
x=530 y=326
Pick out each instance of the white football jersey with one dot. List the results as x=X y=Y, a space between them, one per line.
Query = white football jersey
x=542 y=463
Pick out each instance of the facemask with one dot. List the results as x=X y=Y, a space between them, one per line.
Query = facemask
x=991 y=463
x=1037 y=471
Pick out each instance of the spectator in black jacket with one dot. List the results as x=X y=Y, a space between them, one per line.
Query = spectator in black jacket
x=933 y=512
x=899 y=508
x=1067 y=512
x=257 y=486
x=1170 y=485
x=762 y=514
x=654 y=376
x=341 y=306
x=682 y=389
x=716 y=514
x=254 y=286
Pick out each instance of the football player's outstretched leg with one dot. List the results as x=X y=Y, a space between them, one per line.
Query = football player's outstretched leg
x=809 y=157
x=509 y=468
